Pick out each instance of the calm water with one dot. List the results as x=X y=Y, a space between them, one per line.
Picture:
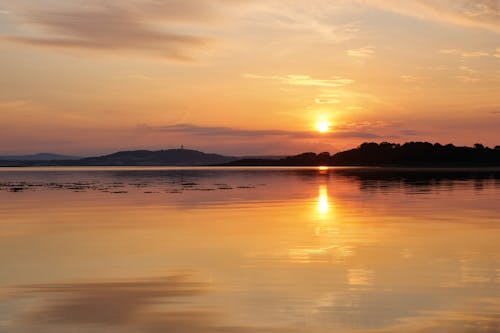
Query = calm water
x=249 y=250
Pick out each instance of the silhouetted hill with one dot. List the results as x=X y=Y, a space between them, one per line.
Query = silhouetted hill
x=417 y=154
x=391 y=154
x=161 y=157
x=38 y=157
x=170 y=157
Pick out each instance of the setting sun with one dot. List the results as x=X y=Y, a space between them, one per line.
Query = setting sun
x=322 y=126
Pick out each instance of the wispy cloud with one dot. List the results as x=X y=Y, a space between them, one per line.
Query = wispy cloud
x=219 y=131
x=327 y=99
x=304 y=80
x=467 y=78
x=413 y=78
x=475 y=54
x=465 y=54
x=140 y=26
x=479 y=13
x=363 y=52
x=308 y=20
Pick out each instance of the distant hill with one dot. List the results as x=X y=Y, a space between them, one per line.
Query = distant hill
x=169 y=157
x=161 y=157
x=38 y=157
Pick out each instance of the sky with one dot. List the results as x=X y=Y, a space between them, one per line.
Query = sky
x=246 y=77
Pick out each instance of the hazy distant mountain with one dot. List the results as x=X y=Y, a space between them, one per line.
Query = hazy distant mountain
x=160 y=157
x=38 y=157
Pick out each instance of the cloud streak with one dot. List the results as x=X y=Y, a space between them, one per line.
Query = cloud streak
x=483 y=14
x=363 y=52
x=116 y=28
x=465 y=54
x=218 y=131
x=304 y=80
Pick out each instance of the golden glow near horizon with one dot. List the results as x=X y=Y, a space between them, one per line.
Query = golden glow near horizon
x=323 y=126
x=161 y=74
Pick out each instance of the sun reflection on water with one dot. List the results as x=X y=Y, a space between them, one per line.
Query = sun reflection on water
x=323 y=169
x=323 y=205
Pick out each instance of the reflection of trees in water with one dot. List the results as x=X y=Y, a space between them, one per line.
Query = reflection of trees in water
x=420 y=180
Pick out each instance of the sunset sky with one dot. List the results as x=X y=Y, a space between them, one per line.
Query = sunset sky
x=246 y=77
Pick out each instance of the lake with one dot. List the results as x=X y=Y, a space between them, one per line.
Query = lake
x=183 y=250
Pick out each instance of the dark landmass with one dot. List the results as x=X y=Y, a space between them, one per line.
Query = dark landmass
x=39 y=157
x=421 y=154
x=170 y=157
x=411 y=154
x=262 y=157
x=156 y=158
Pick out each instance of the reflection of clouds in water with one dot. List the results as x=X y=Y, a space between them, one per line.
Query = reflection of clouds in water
x=359 y=277
x=169 y=304
x=113 y=302
x=446 y=321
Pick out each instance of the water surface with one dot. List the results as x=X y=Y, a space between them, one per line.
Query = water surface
x=249 y=250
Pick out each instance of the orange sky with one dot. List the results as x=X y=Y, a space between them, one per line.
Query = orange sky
x=246 y=76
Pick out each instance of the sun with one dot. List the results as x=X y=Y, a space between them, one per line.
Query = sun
x=322 y=126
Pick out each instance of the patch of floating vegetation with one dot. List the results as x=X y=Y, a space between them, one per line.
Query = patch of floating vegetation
x=146 y=187
x=139 y=185
x=200 y=189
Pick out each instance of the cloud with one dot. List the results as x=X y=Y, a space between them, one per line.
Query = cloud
x=217 y=131
x=413 y=78
x=307 y=21
x=475 y=54
x=363 y=52
x=483 y=14
x=465 y=54
x=327 y=99
x=449 y=51
x=304 y=80
x=410 y=132
x=145 y=27
x=467 y=78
